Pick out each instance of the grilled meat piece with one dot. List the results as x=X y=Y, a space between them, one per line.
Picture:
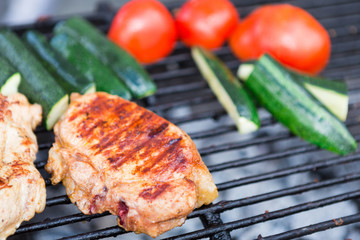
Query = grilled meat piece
x=22 y=189
x=113 y=155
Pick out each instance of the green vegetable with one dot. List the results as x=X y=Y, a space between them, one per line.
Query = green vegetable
x=37 y=84
x=9 y=78
x=88 y=65
x=123 y=64
x=229 y=91
x=332 y=94
x=67 y=76
x=292 y=105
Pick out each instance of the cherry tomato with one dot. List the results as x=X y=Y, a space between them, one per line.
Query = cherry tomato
x=206 y=23
x=145 y=28
x=288 y=33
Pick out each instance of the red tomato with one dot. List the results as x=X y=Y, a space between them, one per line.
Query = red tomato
x=206 y=23
x=145 y=28
x=288 y=33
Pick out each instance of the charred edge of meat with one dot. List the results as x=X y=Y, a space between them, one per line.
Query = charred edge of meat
x=122 y=212
x=98 y=198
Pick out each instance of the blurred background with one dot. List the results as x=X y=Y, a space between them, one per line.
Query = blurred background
x=14 y=12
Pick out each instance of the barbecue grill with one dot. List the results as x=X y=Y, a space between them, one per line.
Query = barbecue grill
x=272 y=184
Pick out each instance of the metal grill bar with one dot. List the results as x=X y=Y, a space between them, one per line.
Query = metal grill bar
x=266 y=157
x=310 y=229
x=57 y=201
x=107 y=232
x=267 y=216
x=228 y=205
x=210 y=219
x=58 y=222
x=287 y=171
x=231 y=146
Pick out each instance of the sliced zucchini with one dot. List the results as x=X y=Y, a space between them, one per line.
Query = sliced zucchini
x=57 y=111
x=292 y=105
x=88 y=65
x=11 y=85
x=66 y=75
x=9 y=78
x=123 y=64
x=37 y=84
x=227 y=88
x=332 y=94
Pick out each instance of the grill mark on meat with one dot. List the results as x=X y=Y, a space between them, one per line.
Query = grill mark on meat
x=137 y=128
x=153 y=192
x=18 y=169
x=122 y=212
x=125 y=128
x=158 y=130
x=15 y=170
x=27 y=141
x=113 y=138
x=4 y=183
x=88 y=127
x=177 y=164
x=119 y=159
x=170 y=149
x=133 y=129
x=3 y=107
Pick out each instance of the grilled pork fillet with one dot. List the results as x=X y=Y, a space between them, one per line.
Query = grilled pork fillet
x=113 y=155
x=22 y=189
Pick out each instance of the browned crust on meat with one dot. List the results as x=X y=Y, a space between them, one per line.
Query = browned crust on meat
x=101 y=119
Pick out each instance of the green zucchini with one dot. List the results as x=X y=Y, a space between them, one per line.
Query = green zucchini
x=67 y=76
x=37 y=84
x=9 y=78
x=89 y=65
x=292 y=105
x=228 y=89
x=122 y=63
x=332 y=94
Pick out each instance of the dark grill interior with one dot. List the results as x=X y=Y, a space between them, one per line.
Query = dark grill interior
x=272 y=184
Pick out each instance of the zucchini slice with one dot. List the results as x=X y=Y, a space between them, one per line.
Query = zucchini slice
x=123 y=64
x=57 y=111
x=88 y=65
x=228 y=89
x=37 y=84
x=292 y=105
x=332 y=94
x=66 y=75
x=9 y=78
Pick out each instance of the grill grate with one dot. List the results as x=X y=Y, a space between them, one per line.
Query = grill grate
x=268 y=155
